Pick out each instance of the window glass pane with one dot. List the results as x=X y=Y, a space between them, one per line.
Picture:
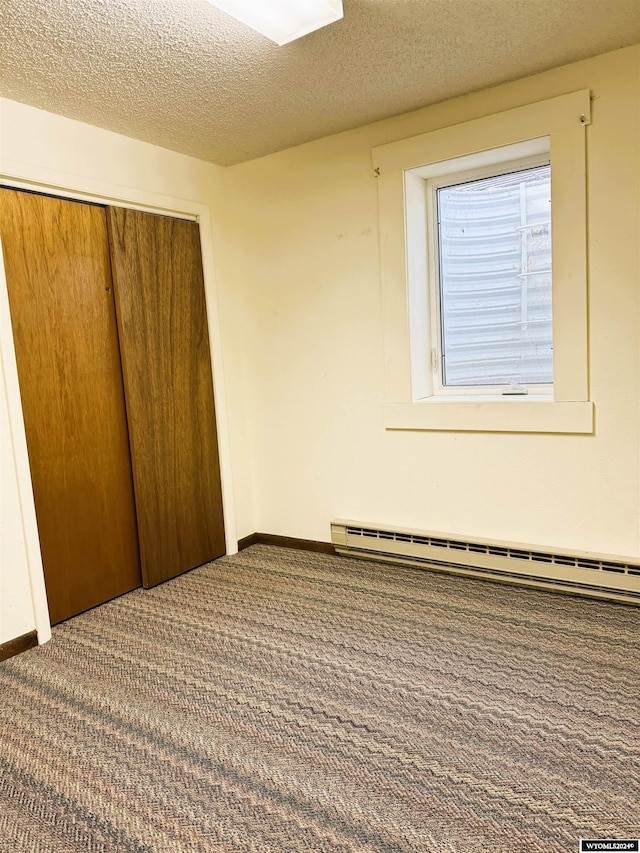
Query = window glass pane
x=495 y=279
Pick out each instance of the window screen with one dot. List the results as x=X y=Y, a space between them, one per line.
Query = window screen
x=494 y=238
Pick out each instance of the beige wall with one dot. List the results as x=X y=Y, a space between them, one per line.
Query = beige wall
x=291 y=257
x=307 y=263
x=16 y=608
x=51 y=153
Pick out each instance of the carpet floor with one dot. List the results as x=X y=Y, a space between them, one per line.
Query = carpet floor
x=281 y=701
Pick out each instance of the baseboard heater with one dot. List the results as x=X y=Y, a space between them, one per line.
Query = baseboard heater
x=580 y=573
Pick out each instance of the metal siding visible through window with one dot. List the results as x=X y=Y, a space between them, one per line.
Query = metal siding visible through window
x=495 y=279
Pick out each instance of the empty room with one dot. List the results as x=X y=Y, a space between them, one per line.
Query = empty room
x=320 y=426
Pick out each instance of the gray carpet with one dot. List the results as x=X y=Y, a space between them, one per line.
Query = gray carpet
x=285 y=701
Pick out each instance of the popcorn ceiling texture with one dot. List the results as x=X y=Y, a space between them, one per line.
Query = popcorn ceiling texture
x=183 y=75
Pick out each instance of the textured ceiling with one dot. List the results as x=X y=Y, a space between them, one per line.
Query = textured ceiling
x=182 y=74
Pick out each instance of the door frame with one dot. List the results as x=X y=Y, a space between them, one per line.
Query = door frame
x=103 y=193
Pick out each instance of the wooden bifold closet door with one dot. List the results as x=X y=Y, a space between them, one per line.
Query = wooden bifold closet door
x=56 y=257
x=164 y=340
x=125 y=473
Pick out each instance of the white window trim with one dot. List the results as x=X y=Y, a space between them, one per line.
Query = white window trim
x=557 y=126
x=421 y=197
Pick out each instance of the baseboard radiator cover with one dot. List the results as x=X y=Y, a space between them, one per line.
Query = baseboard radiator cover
x=578 y=573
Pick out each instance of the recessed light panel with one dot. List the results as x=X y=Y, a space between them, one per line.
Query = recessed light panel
x=282 y=21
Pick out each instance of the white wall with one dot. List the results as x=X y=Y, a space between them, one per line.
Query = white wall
x=296 y=328
x=309 y=271
x=51 y=153
x=17 y=615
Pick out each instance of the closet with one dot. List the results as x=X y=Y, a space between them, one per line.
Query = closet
x=109 y=321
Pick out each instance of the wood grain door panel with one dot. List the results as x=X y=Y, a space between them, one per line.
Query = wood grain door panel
x=56 y=255
x=164 y=341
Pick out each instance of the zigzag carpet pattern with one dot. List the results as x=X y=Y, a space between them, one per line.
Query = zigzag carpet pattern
x=281 y=701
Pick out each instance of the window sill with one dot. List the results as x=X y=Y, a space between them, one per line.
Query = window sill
x=503 y=415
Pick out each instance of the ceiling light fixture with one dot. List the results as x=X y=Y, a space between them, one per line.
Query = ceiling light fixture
x=282 y=21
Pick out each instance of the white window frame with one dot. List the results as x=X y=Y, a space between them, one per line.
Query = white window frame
x=554 y=129
x=448 y=173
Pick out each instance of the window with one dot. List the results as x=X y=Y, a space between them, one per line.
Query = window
x=491 y=288
x=483 y=246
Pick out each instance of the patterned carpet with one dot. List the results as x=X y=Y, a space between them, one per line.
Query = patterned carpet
x=285 y=701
